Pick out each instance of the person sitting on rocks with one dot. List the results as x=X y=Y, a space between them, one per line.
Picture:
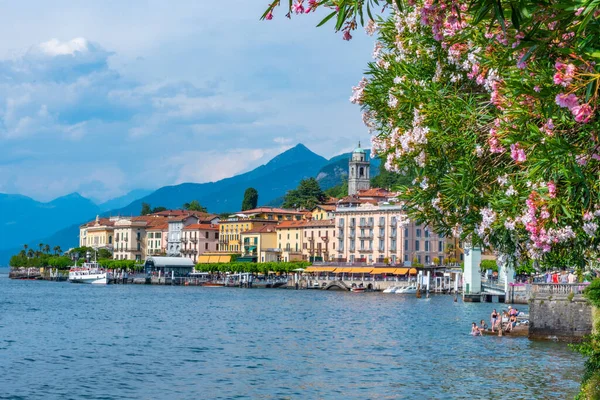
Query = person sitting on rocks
x=512 y=322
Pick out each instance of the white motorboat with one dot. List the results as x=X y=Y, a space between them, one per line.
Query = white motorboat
x=89 y=273
x=406 y=290
x=391 y=289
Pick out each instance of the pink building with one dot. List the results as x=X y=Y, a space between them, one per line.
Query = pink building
x=371 y=233
x=156 y=240
x=197 y=239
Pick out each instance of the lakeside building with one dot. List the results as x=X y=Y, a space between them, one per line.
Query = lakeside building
x=156 y=240
x=370 y=228
x=290 y=236
x=198 y=239
x=98 y=233
x=243 y=221
x=323 y=211
x=259 y=243
x=129 y=243
x=136 y=238
x=318 y=240
x=374 y=233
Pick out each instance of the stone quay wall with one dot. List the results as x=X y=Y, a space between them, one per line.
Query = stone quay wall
x=559 y=312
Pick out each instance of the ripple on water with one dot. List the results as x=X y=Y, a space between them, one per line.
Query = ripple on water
x=135 y=341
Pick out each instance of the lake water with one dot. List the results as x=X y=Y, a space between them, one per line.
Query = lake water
x=61 y=340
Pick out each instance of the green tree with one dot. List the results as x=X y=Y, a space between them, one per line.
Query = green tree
x=104 y=253
x=250 y=199
x=158 y=209
x=145 y=209
x=57 y=250
x=338 y=191
x=307 y=195
x=194 y=205
x=30 y=253
x=47 y=249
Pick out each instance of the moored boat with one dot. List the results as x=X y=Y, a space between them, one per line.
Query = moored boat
x=213 y=284
x=391 y=289
x=406 y=290
x=358 y=289
x=90 y=273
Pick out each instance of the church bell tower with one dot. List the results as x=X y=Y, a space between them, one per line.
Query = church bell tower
x=359 y=177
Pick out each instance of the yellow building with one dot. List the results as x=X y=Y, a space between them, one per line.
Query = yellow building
x=260 y=242
x=323 y=212
x=97 y=234
x=271 y=214
x=289 y=240
x=231 y=229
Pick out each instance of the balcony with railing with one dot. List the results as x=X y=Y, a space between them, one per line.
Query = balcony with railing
x=194 y=240
x=366 y=235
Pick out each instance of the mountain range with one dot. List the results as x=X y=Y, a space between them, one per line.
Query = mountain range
x=24 y=220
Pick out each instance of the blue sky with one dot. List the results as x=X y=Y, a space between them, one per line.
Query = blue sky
x=106 y=97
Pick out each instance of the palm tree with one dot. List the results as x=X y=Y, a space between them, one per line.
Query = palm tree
x=47 y=249
x=57 y=250
x=23 y=253
x=41 y=246
x=25 y=247
x=30 y=253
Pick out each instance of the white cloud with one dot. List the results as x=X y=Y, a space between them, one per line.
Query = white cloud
x=196 y=92
x=55 y=47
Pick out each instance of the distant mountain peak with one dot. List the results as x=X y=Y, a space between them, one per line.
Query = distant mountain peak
x=297 y=154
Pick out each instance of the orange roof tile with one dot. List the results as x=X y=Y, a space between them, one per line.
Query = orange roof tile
x=204 y=227
x=274 y=210
x=261 y=229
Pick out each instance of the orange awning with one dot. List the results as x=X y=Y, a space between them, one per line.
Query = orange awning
x=319 y=269
x=413 y=271
x=401 y=271
x=378 y=271
x=343 y=269
x=361 y=270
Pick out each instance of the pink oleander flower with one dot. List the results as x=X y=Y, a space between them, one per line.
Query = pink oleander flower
x=567 y=100
x=588 y=216
x=494 y=143
x=582 y=113
x=298 y=7
x=579 y=11
x=269 y=16
x=312 y=6
x=347 y=35
x=551 y=189
x=548 y=127
x=537 y=89
x=517 y=153
x=564 y=74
